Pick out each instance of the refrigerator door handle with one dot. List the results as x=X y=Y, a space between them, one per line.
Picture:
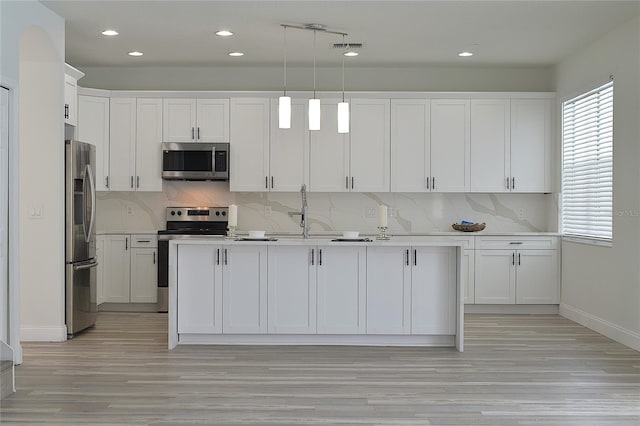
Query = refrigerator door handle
x=85 y=266
x=92 y=191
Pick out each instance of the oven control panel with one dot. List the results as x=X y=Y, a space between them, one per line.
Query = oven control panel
x=197 y=214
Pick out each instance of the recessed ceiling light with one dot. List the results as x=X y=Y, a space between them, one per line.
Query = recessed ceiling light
x=350 y=53
x=135 y=53
x=236 y=54
x=110 y=33
x=224 y=33
x=465 y=54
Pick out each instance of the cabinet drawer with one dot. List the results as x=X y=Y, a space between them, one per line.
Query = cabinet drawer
x=515 y=242
x=144 y=240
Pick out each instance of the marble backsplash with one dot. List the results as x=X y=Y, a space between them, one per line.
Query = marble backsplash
x=330 y=212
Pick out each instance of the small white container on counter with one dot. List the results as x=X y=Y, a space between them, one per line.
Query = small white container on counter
x=256 y=234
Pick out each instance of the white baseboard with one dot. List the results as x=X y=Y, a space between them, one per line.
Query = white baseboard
x=613 y=331
x=512 y=309
x=43 y=334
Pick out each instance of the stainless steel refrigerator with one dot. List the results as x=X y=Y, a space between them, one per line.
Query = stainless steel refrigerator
x=80 y=236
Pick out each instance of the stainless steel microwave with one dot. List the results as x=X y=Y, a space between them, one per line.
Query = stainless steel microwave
x=195 y=161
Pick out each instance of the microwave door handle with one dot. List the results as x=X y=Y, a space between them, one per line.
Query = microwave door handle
x=92 y=191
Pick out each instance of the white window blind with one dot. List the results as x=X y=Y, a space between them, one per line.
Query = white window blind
x=587 y=164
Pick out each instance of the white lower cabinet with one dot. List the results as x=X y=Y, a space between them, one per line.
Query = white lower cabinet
x=244 y=289
x=517 y=271
x=291 y=281
x=341 y=285
x=129 y=268
x=200 y=289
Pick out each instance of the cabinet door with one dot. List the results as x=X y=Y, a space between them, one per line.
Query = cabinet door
x=537 y=277
x=531 y=145
x=122 y=146
x=329 y=153
x=289 y=151
x=249 y=145
x=144 y=275
x=341 y=290
x=292 y=289
x=212 y=118
x=410 y=145
x=149 y=145
x=450 y=148
x=93 y=127
x=179 y=120
x=370 y=142
x=100 y=269
x=117 y=266
x=244 y=289
x=433 y=290
x=388 y=290
x=199 y=289
x=70 y=100
x=490 y=145
x=495 y=277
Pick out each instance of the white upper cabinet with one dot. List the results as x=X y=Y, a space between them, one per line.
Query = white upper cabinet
x=249 y=145
x=450 y=145
x=329 y=153
x=410 y=145
x=289 y=149
x=122 y=153
x=370 y=143
x=490 y=145
x=196 y=120
x=70 y=100
x=93 y=127
x=531 y=145
x=148 y=145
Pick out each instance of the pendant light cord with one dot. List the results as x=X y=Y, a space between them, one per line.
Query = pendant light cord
x=285 y=61
x=314 y=64
x=343 y=68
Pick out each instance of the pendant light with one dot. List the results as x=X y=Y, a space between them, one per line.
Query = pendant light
x=343 y=107
x=314 y=104
x=284 y=102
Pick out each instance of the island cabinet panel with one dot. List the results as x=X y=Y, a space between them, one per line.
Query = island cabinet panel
x=433 y=290
x=388 y=290
x=291 y=277
x=244 y=289
x=199 y=289
x=341 y=289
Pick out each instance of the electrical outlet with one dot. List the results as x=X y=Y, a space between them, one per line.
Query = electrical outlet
x=267 y=211
x=520 y=213
x=36 y=212
x=129 y=211
x=371 y=212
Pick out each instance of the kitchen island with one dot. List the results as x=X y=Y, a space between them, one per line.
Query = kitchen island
x=407 y=291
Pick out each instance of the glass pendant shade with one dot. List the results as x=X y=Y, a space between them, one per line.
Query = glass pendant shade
x=314 y=114
x=284 y=112
x=343 y=117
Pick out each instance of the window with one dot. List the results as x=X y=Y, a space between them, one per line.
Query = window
x=587 y=165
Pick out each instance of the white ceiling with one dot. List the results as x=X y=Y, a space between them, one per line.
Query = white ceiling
x=394 y=33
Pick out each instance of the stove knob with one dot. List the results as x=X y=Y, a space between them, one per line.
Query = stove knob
x=173 y=212
x=224 y=213
x=179 y=213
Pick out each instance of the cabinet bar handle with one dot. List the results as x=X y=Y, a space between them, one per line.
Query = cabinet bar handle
x=515 y=242
x=144 y=241
x=154 y=257
x=513 y=183
x=312 y=256
x=518 y=258
x=192 y=133
x=198 y=133
x=226 y=257
x=320 y=257
x=266 y=182
x=352 y=182
x=137 y=181
x=106 y=182
x=217 y=256
x=131 y=181
x=508 y=183
x=271 y=182
x=126 y=243
x=406 y=252
x=346 y=182
x=433 y=183
x=66 y=110
x=415 y=257
x=513 y=259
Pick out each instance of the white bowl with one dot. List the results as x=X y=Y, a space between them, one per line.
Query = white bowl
x=350 y=234
x=256 y=234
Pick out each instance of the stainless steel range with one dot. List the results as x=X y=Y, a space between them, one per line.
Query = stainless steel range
x=186 y=222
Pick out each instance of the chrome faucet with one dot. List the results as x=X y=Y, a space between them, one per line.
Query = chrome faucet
x=304 y=222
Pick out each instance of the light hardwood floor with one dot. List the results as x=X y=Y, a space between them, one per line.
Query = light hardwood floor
x=524 y=370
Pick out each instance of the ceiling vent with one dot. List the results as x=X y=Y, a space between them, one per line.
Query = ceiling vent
x=345 y=46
